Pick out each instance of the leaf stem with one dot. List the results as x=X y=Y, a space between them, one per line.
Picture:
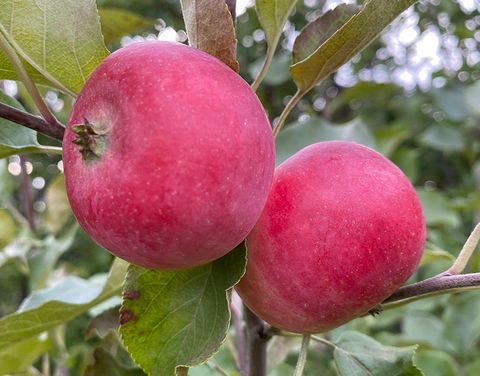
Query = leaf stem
x=271 y=47
x=264 y=69
x=27 y=81
x=30 y=121
x=286 y=111
x=215 y=367
x=19 y=217
x=52 y=150
x=324 y=341
x=302 y=358
x=466 y=253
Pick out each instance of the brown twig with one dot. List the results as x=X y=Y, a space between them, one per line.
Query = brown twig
x=237 y=319
x=442 y=283
x=258 y=337
x=30 y=121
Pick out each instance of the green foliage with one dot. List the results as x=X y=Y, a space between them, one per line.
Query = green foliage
x=320 y=30
x=60 y=39
x=299 y=135
x=58 y=209
x=118 y=22
x=13 y=139
x=50 y=307
x=172 y=319
x=350 y=39
x=272 y=16
x=432 y=135
x=17 y=358
x=357 y=354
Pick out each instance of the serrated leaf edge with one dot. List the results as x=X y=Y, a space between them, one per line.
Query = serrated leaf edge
x=227 y=296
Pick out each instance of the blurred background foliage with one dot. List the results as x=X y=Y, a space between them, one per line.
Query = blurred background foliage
x=412 y=95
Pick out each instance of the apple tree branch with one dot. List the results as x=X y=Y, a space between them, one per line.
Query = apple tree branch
x=30 y=121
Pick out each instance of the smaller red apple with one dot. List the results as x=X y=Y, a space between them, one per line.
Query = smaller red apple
x=342 y=229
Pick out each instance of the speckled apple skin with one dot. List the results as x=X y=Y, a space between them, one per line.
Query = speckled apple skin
x=342 y=229
x=189 y=158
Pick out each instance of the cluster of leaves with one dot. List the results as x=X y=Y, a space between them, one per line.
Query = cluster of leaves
x=59 y=304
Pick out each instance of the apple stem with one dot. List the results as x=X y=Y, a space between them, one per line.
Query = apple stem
x=466 y=253
x=50 y=119
x=302 y=357
x=286 y=111
x=258 y=337
x=30 y=121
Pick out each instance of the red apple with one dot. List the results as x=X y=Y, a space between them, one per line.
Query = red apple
x=168 y=156
x=342 y=229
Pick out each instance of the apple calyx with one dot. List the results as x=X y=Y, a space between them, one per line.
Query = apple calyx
x=91 y=139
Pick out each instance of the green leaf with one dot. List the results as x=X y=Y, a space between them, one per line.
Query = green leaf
x=318 y=31
x=388 y=139
x=349 y=40
x=462 y=324
x=14 y=281
x=272 y=15
x=472 y=93
x=8 y=228
x=44 y=257
x=432 y=255
x=452 y=102
x=437 y=209
x=299 y=135
x=278 y=70
x=58 y=208
x=50 y=307
x=61 y=39
x=106 y=364
x=118 y=22
x=7 y=183
x=423 y=328
x=20 y=356
x=359 y=355
x=210 y=28
x=13 y=137
x=8 y=72
x=408 y=161
x=171 y=319
x=436 y=363
x=443 y=138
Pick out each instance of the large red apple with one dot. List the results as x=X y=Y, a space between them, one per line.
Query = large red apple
x=168 y=156
x=342 y=229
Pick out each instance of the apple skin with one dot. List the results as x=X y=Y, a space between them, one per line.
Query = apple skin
x=342 y=229
x=188 y=162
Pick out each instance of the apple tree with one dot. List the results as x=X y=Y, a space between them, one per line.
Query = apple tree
x=265 y=177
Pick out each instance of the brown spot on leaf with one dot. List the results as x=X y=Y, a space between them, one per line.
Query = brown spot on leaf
x=126 y=315
x=131 y=294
